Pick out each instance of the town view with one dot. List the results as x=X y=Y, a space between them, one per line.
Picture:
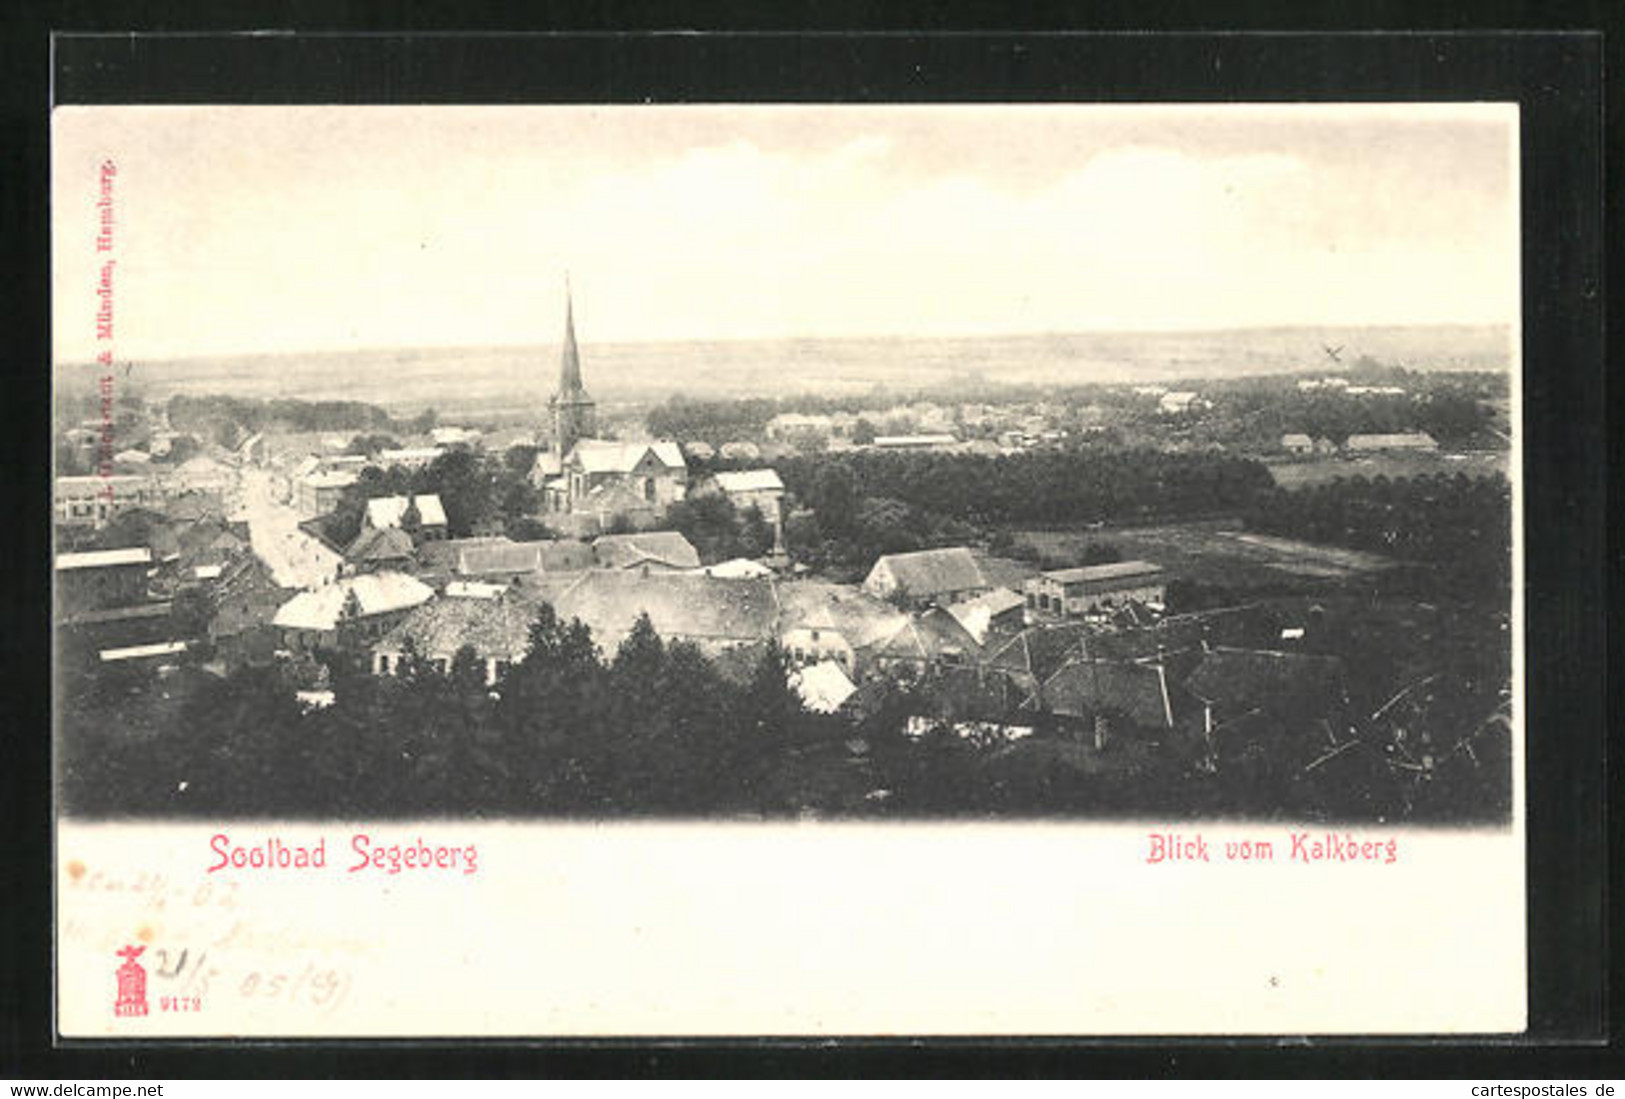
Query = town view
x=1254 y=571
x=1275 y=596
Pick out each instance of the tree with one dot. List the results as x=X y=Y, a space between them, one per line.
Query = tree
x=863 y=432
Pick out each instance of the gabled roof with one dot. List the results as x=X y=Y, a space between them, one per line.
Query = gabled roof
x=1237 y=680
x=606 y=456
x=378 y=593
x=1138 y=692
x=929 y=636
x=386 y=511
x=442 y=553
x=547 y=464
x=660 y=547
x=614 y=498
x=1040 y=650
x=678 y=605
x=750 y=480
x=824 y=687
x=977 y=614
x=855 y=614
x=934 y=572
x=494 y=627
x=372 y=544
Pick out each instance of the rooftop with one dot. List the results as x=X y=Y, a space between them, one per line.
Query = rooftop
x=1117 y=570
x=377 y=593
x=101 y=559
x=386 y=511
x=678 y=605
x=750 y=480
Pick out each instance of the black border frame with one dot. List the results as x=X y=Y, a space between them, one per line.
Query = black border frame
x=1557 y=78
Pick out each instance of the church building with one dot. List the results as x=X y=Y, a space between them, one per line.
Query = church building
x=589 y=483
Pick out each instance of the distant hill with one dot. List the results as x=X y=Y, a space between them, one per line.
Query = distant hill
x=518 y=380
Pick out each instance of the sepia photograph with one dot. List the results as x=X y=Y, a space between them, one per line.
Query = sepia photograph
x=579 y=533
x=824 y=462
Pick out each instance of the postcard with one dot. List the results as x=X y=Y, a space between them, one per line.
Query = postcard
x=649 y=570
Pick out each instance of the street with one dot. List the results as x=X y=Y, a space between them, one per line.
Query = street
x=296 y=560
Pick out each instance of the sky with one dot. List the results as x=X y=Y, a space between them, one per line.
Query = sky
x=274 y=229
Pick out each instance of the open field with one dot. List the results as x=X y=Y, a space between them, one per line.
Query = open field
x=490 y=380
x=1213 y=552
x=1315 y=471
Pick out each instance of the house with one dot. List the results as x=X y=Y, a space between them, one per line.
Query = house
x=386 y=512
x=375 y=549
x=246 y=598
x=758 y=488
x=1297 y=443
x=101 y=579
x=659 y=550
x=715 y=615
x=1093 y=589
x=349 y=611
x=923 y=644
x=453 y=436
x=999 y=610
x=741 y=450
x=822 y=621
x=495 y=626
x=1413 y=441
x=318 y=492
x=1036 y=653
x=1266 y=692
x=1174 y=403
x=503 y=560
x=927 y=576
x=92 y=500
x=1109 y=694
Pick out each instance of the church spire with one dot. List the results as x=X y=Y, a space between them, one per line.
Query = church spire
x=570 y=363
x=574 y=413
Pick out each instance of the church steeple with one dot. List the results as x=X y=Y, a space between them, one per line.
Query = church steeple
x=574 y=412
x=570 y=363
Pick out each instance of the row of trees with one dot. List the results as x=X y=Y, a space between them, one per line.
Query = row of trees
x=228 y=419
x=655 y=730
x=1038 y=488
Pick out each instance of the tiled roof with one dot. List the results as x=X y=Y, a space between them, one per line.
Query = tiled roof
x=678 y=605
x=1237 y=680
x=1040 y=650
x=378 y=593
x=854 y=613
x=977 y=614
x=493 y=627
x=929 y=636
x=665 y=547
x=1138 y=692
x=933 y=572
x=372 y=544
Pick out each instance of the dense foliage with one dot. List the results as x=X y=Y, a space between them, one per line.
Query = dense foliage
x=473 y=488
x=228 y=419
x=1460 y=525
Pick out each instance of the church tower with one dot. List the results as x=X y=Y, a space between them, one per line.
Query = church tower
x=574 y=412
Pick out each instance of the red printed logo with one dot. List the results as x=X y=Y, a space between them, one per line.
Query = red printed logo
x=132 y=984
